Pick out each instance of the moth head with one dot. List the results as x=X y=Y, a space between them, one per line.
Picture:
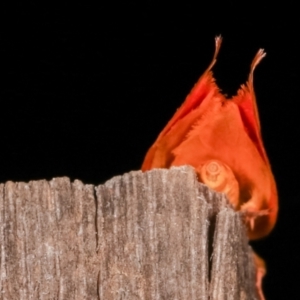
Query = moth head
x=219 y=177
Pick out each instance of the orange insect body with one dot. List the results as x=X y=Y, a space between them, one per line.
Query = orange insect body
x=221 y=139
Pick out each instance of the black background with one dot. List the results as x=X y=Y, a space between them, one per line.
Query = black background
x=86 y=89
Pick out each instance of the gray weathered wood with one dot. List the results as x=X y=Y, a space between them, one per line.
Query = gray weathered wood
x=154 y=235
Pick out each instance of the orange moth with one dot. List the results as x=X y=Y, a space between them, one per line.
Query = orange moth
x=221 y=139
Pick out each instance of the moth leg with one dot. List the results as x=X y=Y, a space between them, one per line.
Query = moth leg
x=251 y=214
x=260 y=273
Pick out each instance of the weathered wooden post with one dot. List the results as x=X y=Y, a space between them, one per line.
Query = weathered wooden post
x=154 y=235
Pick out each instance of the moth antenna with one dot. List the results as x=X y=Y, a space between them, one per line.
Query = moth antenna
x=256 y=60
x=218 y=42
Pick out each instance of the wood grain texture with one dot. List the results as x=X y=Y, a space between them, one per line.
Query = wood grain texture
x=154 y=235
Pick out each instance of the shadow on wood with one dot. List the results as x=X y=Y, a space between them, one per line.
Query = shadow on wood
x=154 y=235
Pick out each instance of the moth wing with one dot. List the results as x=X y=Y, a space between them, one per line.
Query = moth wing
x=158 y=155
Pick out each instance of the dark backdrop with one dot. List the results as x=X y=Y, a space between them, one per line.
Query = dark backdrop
x=86 y=89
